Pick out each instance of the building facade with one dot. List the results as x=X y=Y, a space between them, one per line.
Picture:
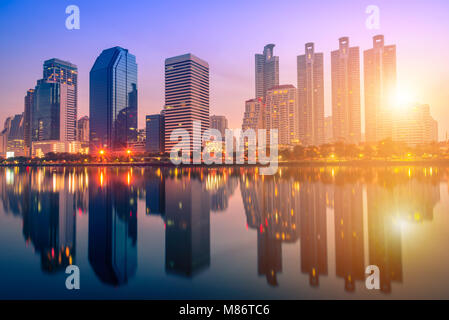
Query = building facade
x=15 y=140
x=186 y=98
x=66 y=75
x=414 y=127
x=54 y=103
x=267 y=70
x=155 y=138
x=328 y=130
x=29 y=100
x=281 y=113
x=311 y=96
x=380 y=87
x=219 y=123
x=83 y=129
x=254 y=116
x=113 y=100
x=345 y=65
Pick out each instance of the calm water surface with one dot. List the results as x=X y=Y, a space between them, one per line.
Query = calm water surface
x=161 y=233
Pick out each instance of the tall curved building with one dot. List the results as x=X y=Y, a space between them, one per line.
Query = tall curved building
x=113 y=100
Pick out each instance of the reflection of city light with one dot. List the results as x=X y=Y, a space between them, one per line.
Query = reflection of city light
x=401 y=223
x=9 y=176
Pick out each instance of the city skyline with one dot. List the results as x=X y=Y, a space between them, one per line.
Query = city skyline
x=234 y=73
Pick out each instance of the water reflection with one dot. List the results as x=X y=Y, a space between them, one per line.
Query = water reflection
x=112 y=227
x=342 y=218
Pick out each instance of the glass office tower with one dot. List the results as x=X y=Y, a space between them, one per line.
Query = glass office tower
x=113 y=100
x=54 y=103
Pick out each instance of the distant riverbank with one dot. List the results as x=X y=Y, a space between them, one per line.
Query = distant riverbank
x=299 y=163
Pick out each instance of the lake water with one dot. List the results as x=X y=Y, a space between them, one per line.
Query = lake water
x=200 y=233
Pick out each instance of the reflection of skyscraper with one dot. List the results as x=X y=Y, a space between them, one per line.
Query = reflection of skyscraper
x=311 y=96
x=313 y=233
x=187 y=233
x=271 y=207
x=384 y=237
x=220 y=185
x=155 y=192
x=112 y=228
x=349 y=255
x=380 y=86
x=49 y=221
x=267 y=71
x=113 y=100
x=269 y=256
x=346 y=92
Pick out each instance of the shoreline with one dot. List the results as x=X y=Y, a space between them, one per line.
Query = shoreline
x=300 y=163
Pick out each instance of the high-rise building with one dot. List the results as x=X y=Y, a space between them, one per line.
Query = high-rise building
x=267 y=70
x=282 y=114
x=113 y=100
x=186 y=98
x=219 y=123
x=346 y=92
x=62 y=72
x=83 y=129
x=155 y=138
x=311 y=96
x=254 y=118
x=15 y=142
x=4 y=136
x=415 y=126
x=29 y=98
x=328 y=130
x=66 y=74
x=54 y=103
x=380 y=87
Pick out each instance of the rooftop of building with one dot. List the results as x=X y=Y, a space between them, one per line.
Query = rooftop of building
x=186 y=57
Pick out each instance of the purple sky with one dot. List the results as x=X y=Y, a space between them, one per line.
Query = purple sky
x=227 y=34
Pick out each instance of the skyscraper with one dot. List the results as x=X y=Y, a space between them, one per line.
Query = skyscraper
x=380 y=87
x=346 y=92
x=282 y=114
x=254 y=116
x=66 y=74
x=416 y=126
x=29 y=98
x=267 y=70
x=54 y=109
x=311 y=96
x=155 y=138
x=83 y=129
x=15 y=137
x=186 y=97
x=219 y=123
x=328 y=130
x=113 y=100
